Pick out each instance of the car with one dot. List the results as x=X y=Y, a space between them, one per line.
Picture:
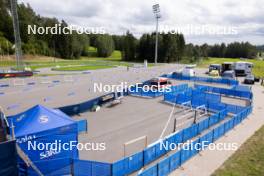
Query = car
x=250 y=79
x=229 y=74
x=214 y=73
x=215 y=67
x=158 y=83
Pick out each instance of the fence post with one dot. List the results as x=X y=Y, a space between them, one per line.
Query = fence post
x=174 y=127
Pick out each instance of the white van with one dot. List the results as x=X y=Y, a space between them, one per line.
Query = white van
x=189 y=70
x=243 y=68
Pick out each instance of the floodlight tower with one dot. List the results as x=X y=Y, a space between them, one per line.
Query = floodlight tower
x=16 y=33
x=156 y=11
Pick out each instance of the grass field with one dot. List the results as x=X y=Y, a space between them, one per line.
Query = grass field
x=248 y=160
x=258 y=69
x=82 y=68
x=84 y=63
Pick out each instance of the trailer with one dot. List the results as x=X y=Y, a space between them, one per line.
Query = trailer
x=243 y=68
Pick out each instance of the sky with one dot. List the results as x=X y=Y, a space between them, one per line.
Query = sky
x=203 y=21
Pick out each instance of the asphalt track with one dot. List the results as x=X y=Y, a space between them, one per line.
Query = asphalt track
x=133 y=118
x=75 y=88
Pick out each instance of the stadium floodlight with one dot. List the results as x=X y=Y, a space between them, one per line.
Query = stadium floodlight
x=156 y=11
x=18 y=50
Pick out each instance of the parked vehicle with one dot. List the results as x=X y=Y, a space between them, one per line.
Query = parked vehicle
x=189 y=71
x=250 y=79
x=215 y=67
x=227 y=66
x=243 y=68
x=13 y=74
x=214 y=70
x=229 y=74
x=159 y=82
x=214 y=73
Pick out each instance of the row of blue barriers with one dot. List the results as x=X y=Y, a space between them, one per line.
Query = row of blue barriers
x=231 y=82
x=174 y=161
x=224 y=91
x=135 y=162
x=138 y=91
x=68 y=166
x=199 y=97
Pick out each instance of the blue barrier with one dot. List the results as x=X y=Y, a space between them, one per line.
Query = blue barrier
x=234 y=108
x=149 y=154
x=85 y=106
x=218 y=132
x=203 y=79
x=172 y=162
x=160 y=149
x=82 y=126
x=207 y=138
x=179 y=88
x=128 y=165
x=135 y=162
x=224 y=91
x=195 y=147
x=119 y=168
x=175 y=161
x=203 y=125
x=91 y=168
x=213 y=119
x=152 y=171
x=71 y=109
x=185 y=154
x=47 y=167
x=139 y=91
x=164 y=167
x=242 y=88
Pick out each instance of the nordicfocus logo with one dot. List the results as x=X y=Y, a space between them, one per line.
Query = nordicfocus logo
x=43 y=119
x=138 y=87
x=190 y=145
x=52 y=148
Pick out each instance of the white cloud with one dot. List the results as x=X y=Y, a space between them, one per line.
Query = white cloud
x=117 y=16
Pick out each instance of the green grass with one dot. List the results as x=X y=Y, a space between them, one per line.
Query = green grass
x=37 y=62
x=82 y=68
x=248 y=160
x=116 y=55
x=258 y=69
